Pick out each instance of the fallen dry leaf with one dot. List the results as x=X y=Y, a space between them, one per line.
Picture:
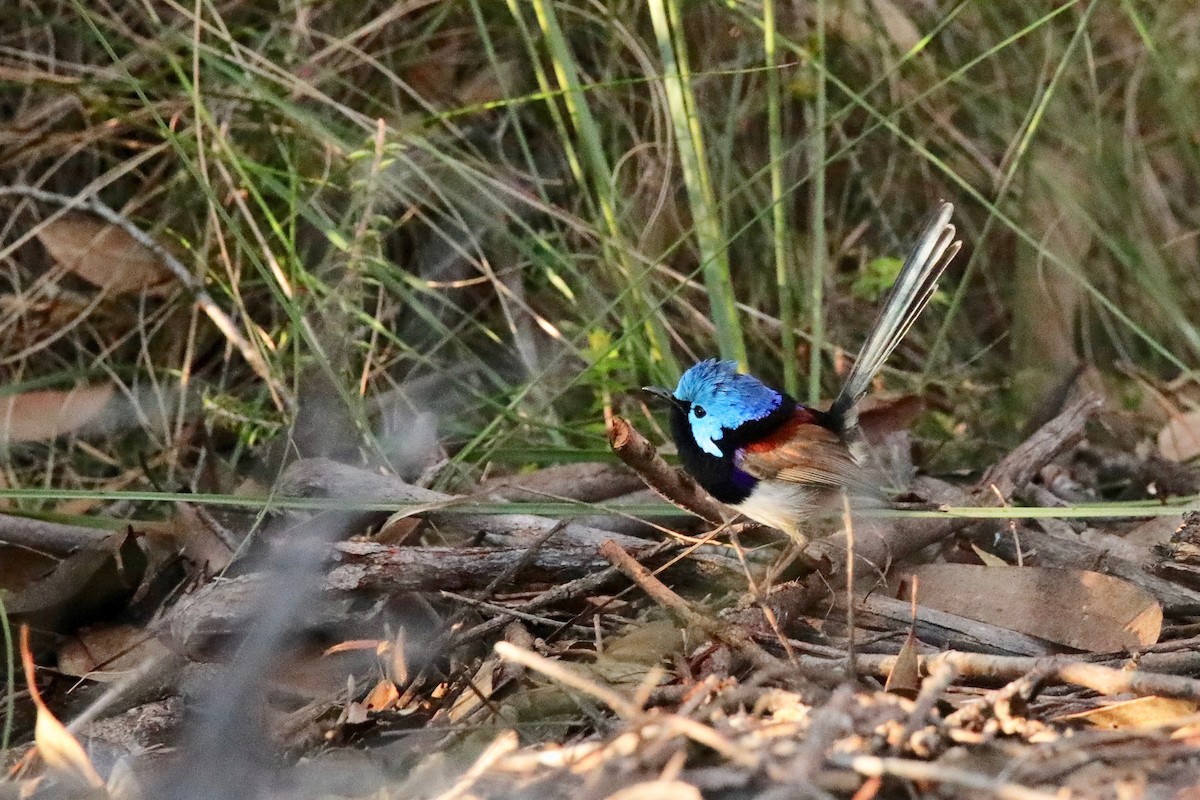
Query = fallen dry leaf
x=905 y=677
x=1077 y=608
x=1179 y=440
x=382 y=697
x=50 y=413
x=1141 y=712
x=102 y=254
x=882 y=415
x=477 y=692
x=21 y=567
x=989 y=559
x=58 y=748
x=92 y=575
x=203 y=541
x=107 y=653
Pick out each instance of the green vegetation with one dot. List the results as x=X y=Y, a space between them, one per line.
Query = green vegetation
x=505 y=214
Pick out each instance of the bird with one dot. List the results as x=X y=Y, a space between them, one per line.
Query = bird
x=757 y=450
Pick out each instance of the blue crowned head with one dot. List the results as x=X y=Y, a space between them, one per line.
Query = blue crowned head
x=718 y=399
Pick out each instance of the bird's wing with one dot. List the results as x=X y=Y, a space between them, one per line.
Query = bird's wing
x=807 y=453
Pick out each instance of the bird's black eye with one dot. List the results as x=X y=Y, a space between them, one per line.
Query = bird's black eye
x=699 y=412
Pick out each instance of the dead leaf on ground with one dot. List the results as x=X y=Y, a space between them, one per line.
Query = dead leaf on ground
x=988 y=559
x=1179 y=440
x=1141 y=712
x=882 y=415
x=102 y=254
x=1077 y=608
x=88 y=578
x=107 y=653
x=50 y=413
x=202 y=537
x=20 y=567
x=477 y=692
x=658 y=790
x=382 y=697
x=905 y=677
x=58 y=748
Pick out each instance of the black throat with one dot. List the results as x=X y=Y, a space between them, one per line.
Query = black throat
x=719 y=476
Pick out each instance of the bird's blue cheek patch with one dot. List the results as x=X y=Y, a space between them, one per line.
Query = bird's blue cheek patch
x=705 y=431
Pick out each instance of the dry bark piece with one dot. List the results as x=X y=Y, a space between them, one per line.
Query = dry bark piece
x=945 y=628
x=1087 y=610
x=371 y=566
x=102 y=254
x=588 y=482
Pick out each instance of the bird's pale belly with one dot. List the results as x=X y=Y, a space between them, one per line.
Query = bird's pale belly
x=782 y=505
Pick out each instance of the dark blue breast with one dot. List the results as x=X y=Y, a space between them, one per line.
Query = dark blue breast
x=720 y=476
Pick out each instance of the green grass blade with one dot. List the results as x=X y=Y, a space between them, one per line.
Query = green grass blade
x=780 y=238
x=819 y=252
x=710 y=239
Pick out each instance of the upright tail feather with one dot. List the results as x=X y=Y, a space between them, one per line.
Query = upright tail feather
x=915 y=285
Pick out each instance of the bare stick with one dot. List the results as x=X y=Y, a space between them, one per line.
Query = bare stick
x=849 y=523
x=674 y=485
x=1099 y=678
x=560 y=673
x=938 y=773
x=659 y=593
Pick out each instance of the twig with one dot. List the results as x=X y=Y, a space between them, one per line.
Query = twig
x=671 y=484
x=373 y=566
x=557 y=671
x=496 y=608
x=659 y=593
x=1020 y=466
x=215 y=313
x=1099 y=678
x=566 y=591
x=872 y=766
x=849 y=523
x=941 y=675
x=504 y=744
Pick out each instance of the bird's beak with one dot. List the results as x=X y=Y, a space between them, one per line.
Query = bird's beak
x=664 y=394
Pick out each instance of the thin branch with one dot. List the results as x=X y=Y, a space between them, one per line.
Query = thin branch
x=671 y=484
x=735 y=637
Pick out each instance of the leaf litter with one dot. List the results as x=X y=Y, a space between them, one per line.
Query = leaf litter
x=581 y=662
